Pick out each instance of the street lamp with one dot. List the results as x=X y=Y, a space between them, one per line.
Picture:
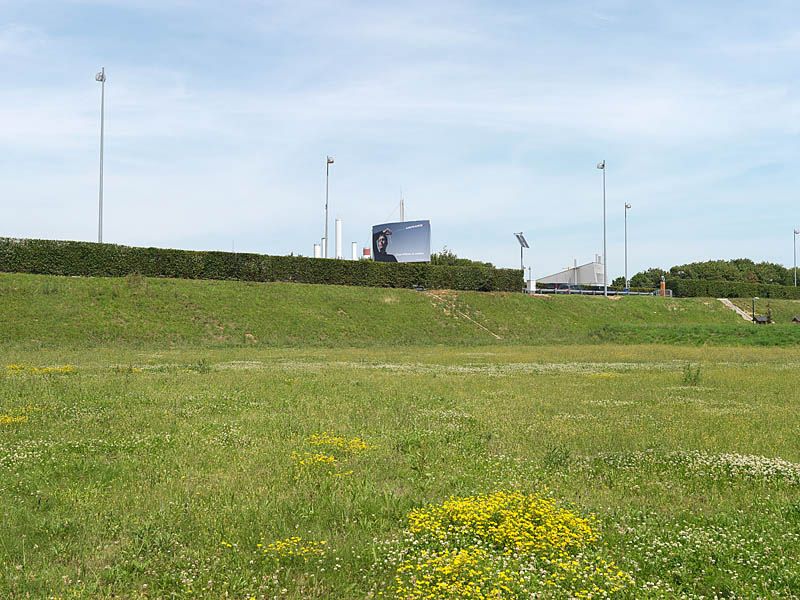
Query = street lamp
x=627 y=283
x=754 y=308
x=101 y=77
x=796 y=233
x=602 y=166
x=523 y=243
x=328 y=163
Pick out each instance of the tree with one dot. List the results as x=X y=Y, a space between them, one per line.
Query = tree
x=773 y=273
x=651 y=278
x=449 y=258
x=736 y=270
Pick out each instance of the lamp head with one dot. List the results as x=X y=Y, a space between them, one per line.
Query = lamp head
x=101 y=76
x=330 y=160
x=601 y=164
x=627 y=205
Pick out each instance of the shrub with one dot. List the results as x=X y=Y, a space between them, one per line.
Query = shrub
x=448 y=257
x=53 y=257
x=684 y=288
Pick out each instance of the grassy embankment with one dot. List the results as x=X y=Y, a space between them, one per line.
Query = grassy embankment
x=64 y=312
x=783 y=311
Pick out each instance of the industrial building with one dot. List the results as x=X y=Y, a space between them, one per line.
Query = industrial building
x=589 y=274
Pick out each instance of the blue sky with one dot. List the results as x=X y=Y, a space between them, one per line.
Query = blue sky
x=490 y=116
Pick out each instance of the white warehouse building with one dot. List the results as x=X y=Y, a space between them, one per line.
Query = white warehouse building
x=589 y=274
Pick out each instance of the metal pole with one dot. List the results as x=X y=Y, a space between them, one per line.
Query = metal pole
x=521 y=264
x=796 y=231
x=627 y=206
x=101 y=77
x=327 y=173
x=605 y=257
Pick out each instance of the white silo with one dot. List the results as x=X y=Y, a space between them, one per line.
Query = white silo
x=339 y=239
x=354 y=247
x=317 y=250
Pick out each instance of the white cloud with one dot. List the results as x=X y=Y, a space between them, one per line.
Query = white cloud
x=18 y=41
x=488 y=129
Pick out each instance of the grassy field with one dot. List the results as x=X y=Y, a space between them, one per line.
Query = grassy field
x=179 y=461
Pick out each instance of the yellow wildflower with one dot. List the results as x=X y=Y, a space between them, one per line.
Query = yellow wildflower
x=293 y=547
x=510 y=520
x=312 y=458
x=486 y=547
x=337 y=442
x=11 y=420
x=56 y=370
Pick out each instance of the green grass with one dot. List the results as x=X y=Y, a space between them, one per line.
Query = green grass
x=165 y=461
x=156 y=473
x=66 y=312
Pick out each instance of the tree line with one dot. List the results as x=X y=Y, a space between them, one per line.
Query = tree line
x=738 y=270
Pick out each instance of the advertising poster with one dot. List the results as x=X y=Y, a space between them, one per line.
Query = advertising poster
x=409 y=241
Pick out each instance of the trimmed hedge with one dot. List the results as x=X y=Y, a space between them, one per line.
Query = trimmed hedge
x=685 y=288
x=649 y=290
x=52 y=257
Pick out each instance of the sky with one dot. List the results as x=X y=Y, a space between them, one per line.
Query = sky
x=488 y=116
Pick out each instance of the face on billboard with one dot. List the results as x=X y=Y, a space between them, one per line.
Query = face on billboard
x=409 y=241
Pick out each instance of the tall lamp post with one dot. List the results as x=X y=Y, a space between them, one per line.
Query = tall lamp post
x=796 y=233
x=602 y=166
x=328 y=163
x=627 y=283
x=523 y=243
x=101 y=77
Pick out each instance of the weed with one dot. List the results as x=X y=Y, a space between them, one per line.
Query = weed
x=136 y=281
x=556 y=457
x=201 y=366
x=691 y=374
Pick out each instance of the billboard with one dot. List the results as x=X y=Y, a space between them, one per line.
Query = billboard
x=409 y=241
